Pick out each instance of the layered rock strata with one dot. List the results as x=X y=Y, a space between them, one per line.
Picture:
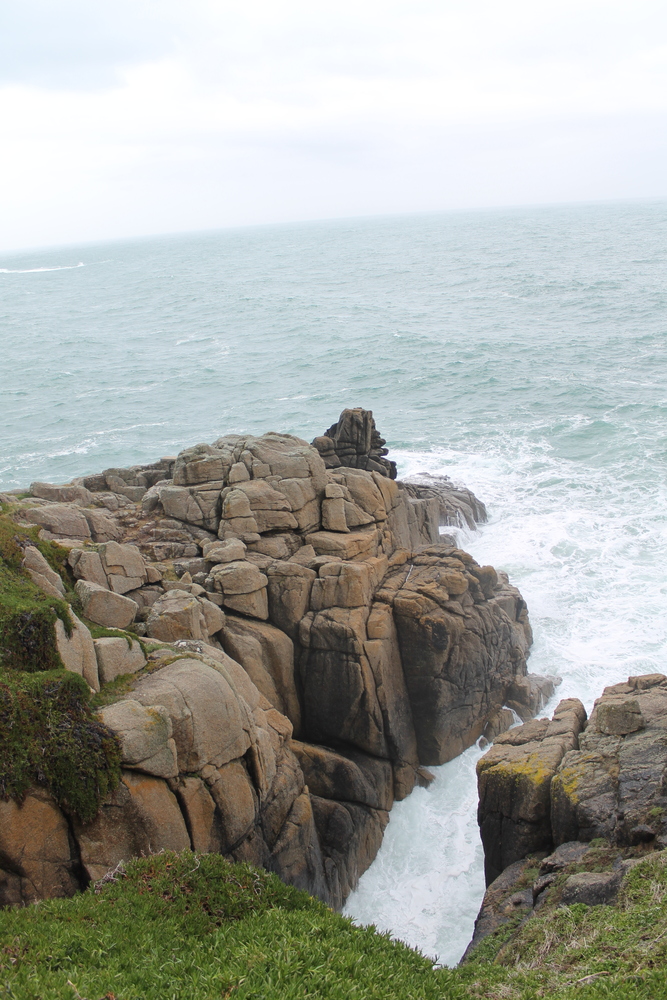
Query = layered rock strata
x=311 y=641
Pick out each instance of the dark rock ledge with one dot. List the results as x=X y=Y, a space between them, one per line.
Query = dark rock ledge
x=301 y=643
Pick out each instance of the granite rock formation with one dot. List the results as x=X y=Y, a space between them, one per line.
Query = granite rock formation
x=550 y=782
x=567 y=806
x=311 y=643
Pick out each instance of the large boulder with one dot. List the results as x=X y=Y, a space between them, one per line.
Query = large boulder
x=145 y=736
x=117 y=656
x=60 y=520
x=105 y=608
x=41 y=573
x=124 y=567
x=69 y=493
x=87 y=565
x=177 y=615
x=211 y=723
x=77 y=650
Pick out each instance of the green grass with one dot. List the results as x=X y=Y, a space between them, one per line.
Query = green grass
x=198 y=927
x=195 y=926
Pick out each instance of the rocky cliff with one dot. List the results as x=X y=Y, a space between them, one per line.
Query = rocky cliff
x=567 y=806
x=279 y=639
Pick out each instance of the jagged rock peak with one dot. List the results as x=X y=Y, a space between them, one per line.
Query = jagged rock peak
x=355 y=442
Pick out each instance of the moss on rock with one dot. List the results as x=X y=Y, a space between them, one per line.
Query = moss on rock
x=27 y=615
x=49 y=737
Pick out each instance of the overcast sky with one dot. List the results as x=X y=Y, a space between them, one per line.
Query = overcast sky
x=148 y=116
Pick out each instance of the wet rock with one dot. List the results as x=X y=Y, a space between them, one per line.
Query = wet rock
x=458 y=505
x=354 y=441
x=350 y=836
x=348 y=776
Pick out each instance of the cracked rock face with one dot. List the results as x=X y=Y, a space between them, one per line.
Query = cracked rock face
x=319 y=641
x=548 y=783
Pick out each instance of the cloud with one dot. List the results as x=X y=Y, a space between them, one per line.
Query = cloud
x=80 y=44
x=142 y=116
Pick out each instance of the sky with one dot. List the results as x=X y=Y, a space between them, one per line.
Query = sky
x=150 y=116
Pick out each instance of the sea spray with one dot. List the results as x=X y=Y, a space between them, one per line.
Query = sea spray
x=587 y=548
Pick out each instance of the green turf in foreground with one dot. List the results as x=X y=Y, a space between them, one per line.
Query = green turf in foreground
x=196 y=927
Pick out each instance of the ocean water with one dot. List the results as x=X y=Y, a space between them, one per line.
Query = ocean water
x=523 y=352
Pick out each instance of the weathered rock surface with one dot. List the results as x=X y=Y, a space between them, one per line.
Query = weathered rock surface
x=574 y=873
x=267 y=656
x=146 y=736
x=613 y=784
x=176 y=616
x=458 y=505
x=322 y=641
x=105 y=608
x=77 y=651
x=141 y=817
x=514 y=781
x=355 y=441
x=37 y=856
x=550 y=783
x=116 y=657
x=41 y=573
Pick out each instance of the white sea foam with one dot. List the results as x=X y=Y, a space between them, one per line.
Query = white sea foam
x=36 y=270
x=587 y=549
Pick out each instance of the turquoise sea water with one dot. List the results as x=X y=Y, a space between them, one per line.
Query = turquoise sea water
x=523 y=352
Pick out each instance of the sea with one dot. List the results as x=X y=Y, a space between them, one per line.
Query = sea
x=520 y=351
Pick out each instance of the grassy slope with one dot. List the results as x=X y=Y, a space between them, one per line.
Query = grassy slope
x=199 y=928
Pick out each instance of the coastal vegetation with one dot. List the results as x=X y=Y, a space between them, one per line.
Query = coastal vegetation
x=48 y=733
x=198 y=927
